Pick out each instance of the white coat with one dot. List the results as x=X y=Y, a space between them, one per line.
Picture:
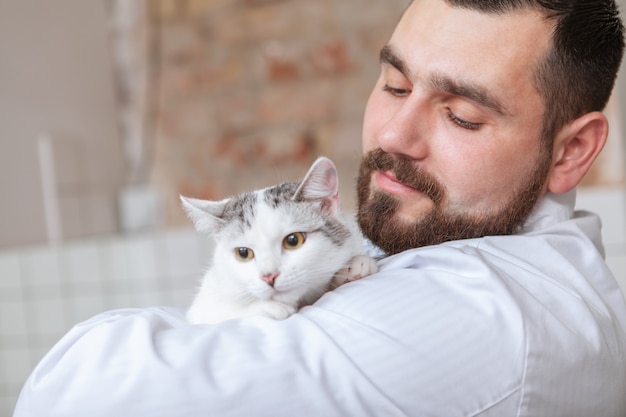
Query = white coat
x=526 y=325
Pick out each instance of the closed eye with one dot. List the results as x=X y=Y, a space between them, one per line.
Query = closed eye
x=463 y=123
x=398 y=92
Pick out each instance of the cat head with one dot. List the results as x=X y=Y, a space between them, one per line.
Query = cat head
x=280 y=242
x=320 y=184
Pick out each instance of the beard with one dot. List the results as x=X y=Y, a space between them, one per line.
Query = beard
x=377 y=210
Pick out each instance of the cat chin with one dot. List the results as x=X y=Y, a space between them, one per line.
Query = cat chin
x=267 y=293
x=284 y=297
x=299 y=298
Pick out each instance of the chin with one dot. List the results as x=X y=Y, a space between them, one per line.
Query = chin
x=412 y=211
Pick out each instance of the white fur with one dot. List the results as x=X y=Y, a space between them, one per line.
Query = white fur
x=231 y=288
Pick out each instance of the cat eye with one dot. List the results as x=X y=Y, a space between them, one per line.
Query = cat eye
x=294 y=240
x=244 y=254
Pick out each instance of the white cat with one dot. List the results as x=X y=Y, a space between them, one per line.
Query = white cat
x=277 y=249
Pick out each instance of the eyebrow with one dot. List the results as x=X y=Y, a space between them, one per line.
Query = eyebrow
x=472 y=92
x=387 y=56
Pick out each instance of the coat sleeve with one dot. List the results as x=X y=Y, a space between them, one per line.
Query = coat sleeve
x=394 y=344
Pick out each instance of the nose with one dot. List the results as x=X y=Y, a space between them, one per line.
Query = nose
x=270 y=278
x=407 y=130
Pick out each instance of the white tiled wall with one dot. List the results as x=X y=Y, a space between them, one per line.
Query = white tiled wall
x=75 y=204
x=44 y=291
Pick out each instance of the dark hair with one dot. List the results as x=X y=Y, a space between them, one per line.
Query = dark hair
x=578 y=73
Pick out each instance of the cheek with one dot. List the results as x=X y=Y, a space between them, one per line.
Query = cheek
x=475 y=176
x=242 y=271
x=489 y=181
x=373 y=118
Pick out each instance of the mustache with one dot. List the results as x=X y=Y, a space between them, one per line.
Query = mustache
x=405 y=172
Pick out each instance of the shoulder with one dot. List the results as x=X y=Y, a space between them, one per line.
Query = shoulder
x=483 y=324
x=437 y=328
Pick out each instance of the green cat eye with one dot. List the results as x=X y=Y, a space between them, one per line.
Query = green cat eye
x=244 y=254
x=294 y=240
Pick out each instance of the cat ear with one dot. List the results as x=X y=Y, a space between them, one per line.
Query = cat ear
x=205 y=214
x=321 y=183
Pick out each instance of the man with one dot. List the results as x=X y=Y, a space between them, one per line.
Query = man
x=496 y=301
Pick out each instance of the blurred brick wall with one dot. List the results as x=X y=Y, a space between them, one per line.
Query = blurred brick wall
x=241 y=94
x=222 y=96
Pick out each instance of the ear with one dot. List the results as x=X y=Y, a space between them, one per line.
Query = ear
x=206 y=215
x=321 y=183
x=576 y=146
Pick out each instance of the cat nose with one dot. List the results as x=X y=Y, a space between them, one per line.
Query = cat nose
x=270 y=277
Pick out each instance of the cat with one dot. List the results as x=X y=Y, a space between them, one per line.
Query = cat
x=277 y=249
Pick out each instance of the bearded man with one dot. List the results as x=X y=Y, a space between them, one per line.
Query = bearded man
x=493 y=298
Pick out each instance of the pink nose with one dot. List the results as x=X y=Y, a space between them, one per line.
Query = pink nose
x=270 y=277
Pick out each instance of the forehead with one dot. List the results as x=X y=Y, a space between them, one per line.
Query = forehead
x=270 y=208
x=499 y=51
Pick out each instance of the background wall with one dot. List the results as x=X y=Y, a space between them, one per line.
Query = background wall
x=110 y=109
x=56 y=77
x=244 y=94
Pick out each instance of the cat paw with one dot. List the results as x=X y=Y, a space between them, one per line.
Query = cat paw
x=272 y=309
x=360 y=266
